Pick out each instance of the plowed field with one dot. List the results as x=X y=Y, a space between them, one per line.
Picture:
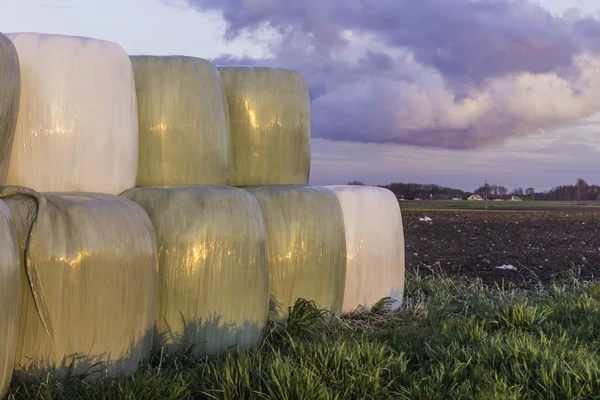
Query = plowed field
x=539 y=245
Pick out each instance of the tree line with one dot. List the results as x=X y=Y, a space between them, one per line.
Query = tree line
x=580 y=191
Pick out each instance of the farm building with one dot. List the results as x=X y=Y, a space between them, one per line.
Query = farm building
x=516 y=198
x=475 y=197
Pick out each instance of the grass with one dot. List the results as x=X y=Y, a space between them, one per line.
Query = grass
x=429 y=205
x=451 y=339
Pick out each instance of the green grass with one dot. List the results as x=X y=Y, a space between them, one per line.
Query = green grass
x=430 y=205
x=452 y=339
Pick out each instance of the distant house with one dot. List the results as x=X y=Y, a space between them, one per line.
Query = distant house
x=475 y=197
x=516 y=198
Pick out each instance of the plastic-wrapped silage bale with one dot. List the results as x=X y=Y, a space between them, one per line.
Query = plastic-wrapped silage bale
x=269 y=112
x=374 y=246
x=213 y=274
x=91 y=281
x=10 y=297
x=10 y=79
x=183 y=122
x=77 y=129
x=306 y=245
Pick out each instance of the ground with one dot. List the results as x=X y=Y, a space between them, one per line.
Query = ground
x=541 y=245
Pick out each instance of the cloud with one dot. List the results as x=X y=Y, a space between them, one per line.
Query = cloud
x=436 y=73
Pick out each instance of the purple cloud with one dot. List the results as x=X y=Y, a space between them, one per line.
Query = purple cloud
x=457 y=74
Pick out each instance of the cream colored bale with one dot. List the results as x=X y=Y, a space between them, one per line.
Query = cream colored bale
x=10 y=297
x=213 y=291
x=77 y=128
x=183 y=120
x=10 y=90
x=90 y=282
x=269 y=112
x=374 y=246
x=305 y=244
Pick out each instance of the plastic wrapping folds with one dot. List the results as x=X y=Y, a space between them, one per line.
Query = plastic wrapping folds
x=77 y=125
x=269 y=112
x=374 y=246
x=305 y=244
x=183 y=120
x=212 y=266
x=10 y=79
x=10 y=297
x=91 y=282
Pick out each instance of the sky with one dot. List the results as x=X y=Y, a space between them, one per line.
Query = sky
x=452 y=92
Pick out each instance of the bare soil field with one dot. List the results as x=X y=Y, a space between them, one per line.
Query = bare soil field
x=541 y=245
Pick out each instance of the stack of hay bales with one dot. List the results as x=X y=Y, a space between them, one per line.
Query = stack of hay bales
x=269 y=111
x=164 y=200
x=212 y=260
x=88 y=256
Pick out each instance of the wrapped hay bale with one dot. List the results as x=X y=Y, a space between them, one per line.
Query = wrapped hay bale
x=213 y=274
x=10 y=79
x=91 y=282
x=10 y=297
x=183 y=122
x=269 y=112
x=374 y=246
x=305 y=245
x=77 y=124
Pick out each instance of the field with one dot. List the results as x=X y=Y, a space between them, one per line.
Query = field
x=466 y=330
x=580 y=206
x=541 y=245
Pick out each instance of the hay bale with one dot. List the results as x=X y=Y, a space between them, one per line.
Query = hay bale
x=77 y=126
x=213 y=290
x=91 y=264
x=10 y=297
x=10 y=90
x=269 y=111
x=183 y=122
x=374 y=246
x=305 y=244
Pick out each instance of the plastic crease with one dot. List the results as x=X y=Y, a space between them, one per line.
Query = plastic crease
x=15 y=192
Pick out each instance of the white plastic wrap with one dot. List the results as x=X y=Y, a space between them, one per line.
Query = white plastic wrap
x=213 y=291
x=10 y=297
x=374 y=246
x=77 y=128
x=10 y=79
x=90 y=281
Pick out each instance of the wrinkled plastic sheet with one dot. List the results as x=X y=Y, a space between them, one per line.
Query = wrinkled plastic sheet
x=90 y=282
x=374 y=246
x=306 y=245
x=10 y=90
x=183 y=122
x=10 y=297
x=77 y=129
x=213 y=281
x=269 y=112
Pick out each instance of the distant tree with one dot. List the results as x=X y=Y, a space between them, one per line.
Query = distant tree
x=518 y=192
x=530 y=193
x=581 y=187
x=356 y=183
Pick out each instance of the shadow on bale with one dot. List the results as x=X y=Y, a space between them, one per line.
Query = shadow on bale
x=89 y=367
